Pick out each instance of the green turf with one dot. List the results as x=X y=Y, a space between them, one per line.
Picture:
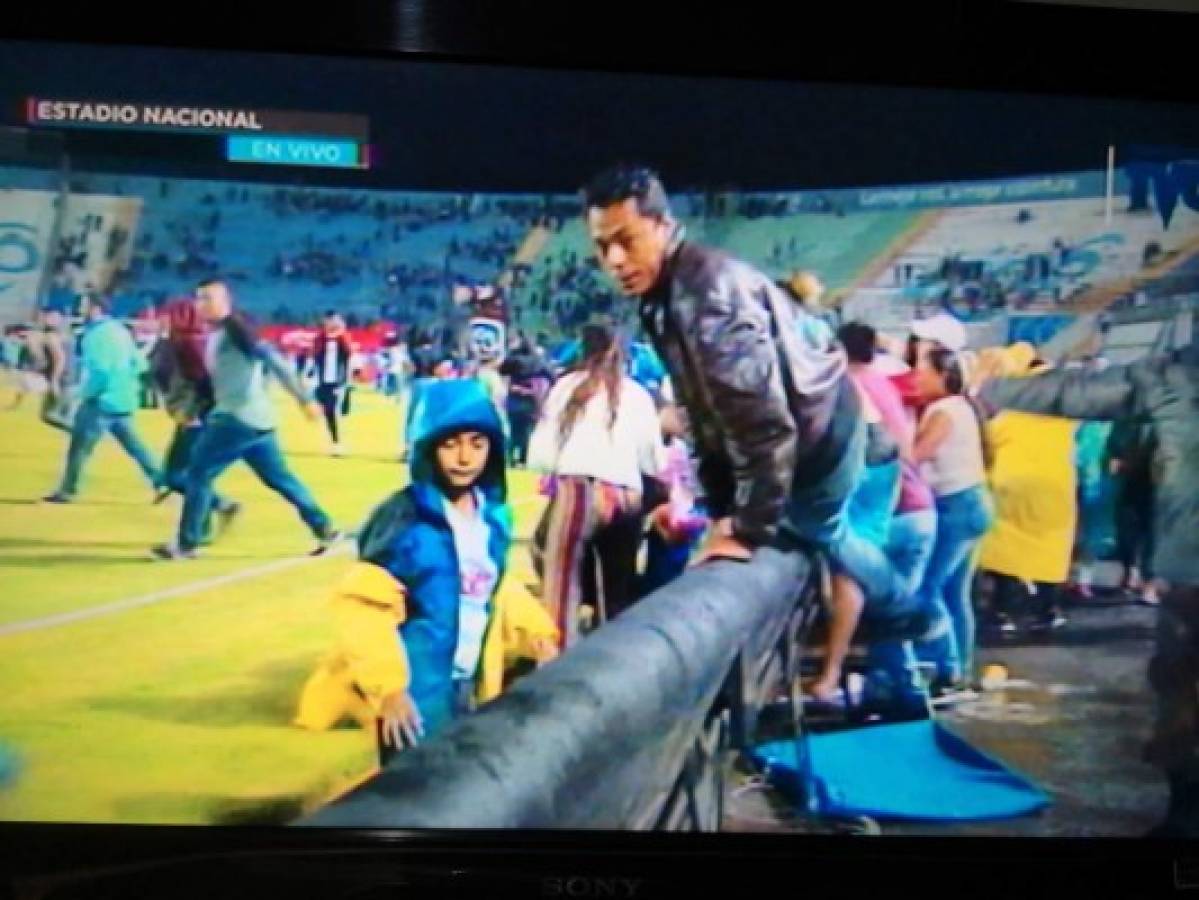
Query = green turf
x=177 y=711
x=838 y=248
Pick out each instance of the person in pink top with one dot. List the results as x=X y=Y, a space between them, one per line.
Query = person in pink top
x=892 y=684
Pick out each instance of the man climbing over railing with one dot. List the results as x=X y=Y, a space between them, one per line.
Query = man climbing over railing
x=776 y=421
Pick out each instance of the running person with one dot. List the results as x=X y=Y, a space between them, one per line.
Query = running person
x=242 y=425
x=30 y=365
x=111 y=366
x=177 y=366
x=57 y=344
x=331 y=356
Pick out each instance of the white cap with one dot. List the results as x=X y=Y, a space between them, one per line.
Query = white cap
x=942 y=328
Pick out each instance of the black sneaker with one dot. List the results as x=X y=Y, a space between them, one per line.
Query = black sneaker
x=225 y=519
x=883 y=709
x=327 y=541
x=171 y=553
x=58 y=497
x=1050 y=621
x=999 y=623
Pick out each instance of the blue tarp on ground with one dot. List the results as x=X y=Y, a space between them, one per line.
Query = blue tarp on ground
x=911 y=771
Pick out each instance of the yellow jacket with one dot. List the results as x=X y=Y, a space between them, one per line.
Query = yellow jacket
x=367 y=661
x=1033 y=482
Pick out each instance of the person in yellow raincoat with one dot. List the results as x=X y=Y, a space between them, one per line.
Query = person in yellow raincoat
x=426 y=622
x=1034 y=485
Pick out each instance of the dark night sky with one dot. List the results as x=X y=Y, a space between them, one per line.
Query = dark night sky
x=468 y=127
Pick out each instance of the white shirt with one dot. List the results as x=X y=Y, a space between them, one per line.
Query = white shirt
x=478 y=574
x=958 y=464
x=330 y=376
x=399 y=361
x=619 y=455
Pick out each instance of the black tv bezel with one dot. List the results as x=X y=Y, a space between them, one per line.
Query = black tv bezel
x=997 y=866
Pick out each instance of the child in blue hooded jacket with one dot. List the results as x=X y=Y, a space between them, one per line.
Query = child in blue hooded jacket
x=425 y=621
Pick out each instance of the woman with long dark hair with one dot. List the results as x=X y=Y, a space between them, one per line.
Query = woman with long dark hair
x=181 y=376
x=951 y=446
x=598 y=437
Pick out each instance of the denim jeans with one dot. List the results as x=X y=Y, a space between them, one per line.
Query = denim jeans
x=817 y=515
x=178 y=464
x=962 y=520
x=89 y=426
x=892 y=664
x=910 y=546
x=664 y=562
x=224 y=441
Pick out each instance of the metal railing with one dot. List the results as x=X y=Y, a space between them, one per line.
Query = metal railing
x=631 y=729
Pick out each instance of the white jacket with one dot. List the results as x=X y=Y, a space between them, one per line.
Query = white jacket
x=618 y=455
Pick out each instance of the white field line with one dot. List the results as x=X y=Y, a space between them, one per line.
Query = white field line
x=182 y=590
x=191 y=587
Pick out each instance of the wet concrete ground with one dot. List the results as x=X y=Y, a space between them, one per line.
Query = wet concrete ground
x=1074 y=718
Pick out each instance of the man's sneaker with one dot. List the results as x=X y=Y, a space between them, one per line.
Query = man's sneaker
x=225 y=519
x=1132 y=583
x=171 y=553
x=880 y=710
x=326 y=541
x=57 y=497
x=1148 y=596
x=337 y=450
x=1001 y=623
x=161 y=495
x=947 y=693
x=1050 y=621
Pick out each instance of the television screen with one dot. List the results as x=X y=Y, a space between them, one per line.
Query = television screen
x=408 y=444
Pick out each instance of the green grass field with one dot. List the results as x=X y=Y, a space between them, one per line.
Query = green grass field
x=177 y=711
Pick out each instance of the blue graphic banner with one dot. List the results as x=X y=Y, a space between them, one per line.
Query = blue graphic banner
x=285 y=151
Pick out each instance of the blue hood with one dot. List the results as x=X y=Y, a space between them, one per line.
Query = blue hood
x=451 y=406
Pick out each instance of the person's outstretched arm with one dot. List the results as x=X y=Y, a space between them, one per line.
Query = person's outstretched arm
x=1101 y=396
x=277 y=366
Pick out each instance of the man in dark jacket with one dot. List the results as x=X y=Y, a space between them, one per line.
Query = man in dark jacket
x=776 y=421
x=526 y=380
x=1162 y=391
x=331 y=354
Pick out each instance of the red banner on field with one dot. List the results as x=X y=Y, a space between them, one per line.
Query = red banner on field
x=299 y=339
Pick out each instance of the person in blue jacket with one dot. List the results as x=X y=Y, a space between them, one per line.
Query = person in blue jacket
x=444 y=539
x=111 y=368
